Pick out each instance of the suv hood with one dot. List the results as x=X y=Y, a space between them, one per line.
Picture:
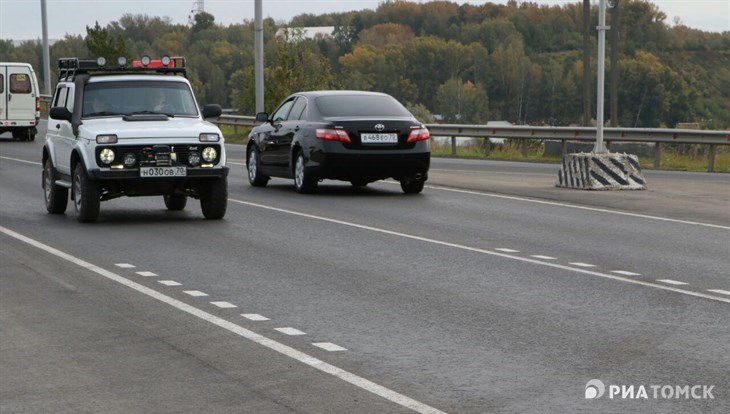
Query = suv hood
x=171 y=128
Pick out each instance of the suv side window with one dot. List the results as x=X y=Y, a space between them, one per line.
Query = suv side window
x=63 y=97
x=19 y=83
x=298 y=109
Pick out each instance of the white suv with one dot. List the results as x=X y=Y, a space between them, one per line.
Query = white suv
x=131 y=130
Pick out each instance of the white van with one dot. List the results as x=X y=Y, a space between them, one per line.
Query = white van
x=19 y=100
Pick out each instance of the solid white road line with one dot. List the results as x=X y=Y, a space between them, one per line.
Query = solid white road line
x=625 y=273
x=315 y=363
x=672 y=282
x=146 y=274
x=484 y=251
x=502 y=249
x=539 y=256
x=720 y=291
x=580 y=264
x=169 y=283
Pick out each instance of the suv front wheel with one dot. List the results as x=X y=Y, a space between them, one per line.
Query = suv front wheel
x=55 y=195
x=87 y=196
x=214 y=198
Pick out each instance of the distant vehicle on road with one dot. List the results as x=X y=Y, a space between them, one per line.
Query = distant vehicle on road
x=19 y=100
x=131 y=130
x=354 y=136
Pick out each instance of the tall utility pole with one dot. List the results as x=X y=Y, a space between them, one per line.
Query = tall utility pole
x=46 y=53
x=586 y=62
x=600 y=147
x=614 y=64
x=258 y=27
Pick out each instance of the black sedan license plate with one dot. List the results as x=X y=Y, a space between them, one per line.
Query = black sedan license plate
x=379 y=138
x=156 y=172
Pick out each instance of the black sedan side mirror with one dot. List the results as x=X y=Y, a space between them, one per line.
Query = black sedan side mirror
x=60 y=113
x=262 y=117
x=212 y=111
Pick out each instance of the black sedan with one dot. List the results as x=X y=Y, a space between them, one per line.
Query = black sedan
x=352 y=136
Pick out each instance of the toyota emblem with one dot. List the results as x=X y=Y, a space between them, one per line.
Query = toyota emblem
x=379 y=127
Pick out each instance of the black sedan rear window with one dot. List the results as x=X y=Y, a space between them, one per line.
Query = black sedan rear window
x=360 y=105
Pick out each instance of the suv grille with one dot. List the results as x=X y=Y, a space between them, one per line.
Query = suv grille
x=156 y=155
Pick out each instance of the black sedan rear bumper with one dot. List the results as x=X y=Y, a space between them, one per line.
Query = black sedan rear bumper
x=370 y=167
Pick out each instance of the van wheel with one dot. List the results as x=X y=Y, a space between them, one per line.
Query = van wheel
x=55 y=195
x=87 y=196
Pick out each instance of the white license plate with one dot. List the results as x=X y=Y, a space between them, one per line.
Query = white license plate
x=155 y=172
x=379 y=138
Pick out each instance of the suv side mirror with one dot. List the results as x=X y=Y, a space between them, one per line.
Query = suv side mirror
x=262 y=117
x=212 y=111
x=60 y=113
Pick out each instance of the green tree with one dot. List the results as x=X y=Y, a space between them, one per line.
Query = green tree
x=102 y=44
x=461 y=102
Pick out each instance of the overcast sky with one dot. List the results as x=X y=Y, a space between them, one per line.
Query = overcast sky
x=21 y=19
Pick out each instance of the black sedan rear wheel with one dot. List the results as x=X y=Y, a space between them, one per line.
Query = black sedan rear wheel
x=304 y=182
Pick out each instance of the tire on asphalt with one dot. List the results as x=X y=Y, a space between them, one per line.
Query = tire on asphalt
x=56 y=197
x=214 y=198
x=86 y=196
x=412 y=186
x=304 y=182
x=253 y=167
x=175 y=202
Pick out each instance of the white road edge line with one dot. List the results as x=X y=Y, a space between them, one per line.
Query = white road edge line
x=484 y=251
x=672 y=282
x=288 y=351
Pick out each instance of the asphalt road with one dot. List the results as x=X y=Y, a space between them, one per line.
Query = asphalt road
x=492 y=291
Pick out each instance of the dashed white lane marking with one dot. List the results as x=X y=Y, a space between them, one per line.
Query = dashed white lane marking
x=720 y=291
x=502 y=249
x=146 y=274
x=125 y=265
x=169 y=283
x=195 y=293
x=672 y=282
x=329 y=346
x=290 y=331
x=255 y=317
x=224 y=305
x=484 y=251
x=625 y=273
x=288 y=351
x=539 y=256
x=580 y=264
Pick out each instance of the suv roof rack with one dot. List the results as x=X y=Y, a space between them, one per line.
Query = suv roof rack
x=68 y=68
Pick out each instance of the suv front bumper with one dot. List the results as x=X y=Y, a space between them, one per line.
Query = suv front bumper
x=127 y=174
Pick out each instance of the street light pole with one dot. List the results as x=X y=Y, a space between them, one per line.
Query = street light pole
x=259 y=55
x=600 y=147
x=46 y=54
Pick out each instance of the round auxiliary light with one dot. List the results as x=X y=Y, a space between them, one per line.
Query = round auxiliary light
x=101 y=62
x=130 y=160
x=106 y=156
x=209 y=154
x=146 y=60
x=122 y=61
x=166 y=61
x=194 y=159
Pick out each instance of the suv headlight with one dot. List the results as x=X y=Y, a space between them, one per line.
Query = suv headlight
x=107 y=156
x=209 y=154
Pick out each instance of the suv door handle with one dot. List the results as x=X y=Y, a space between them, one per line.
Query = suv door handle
x=58 y=126
x=296 y=128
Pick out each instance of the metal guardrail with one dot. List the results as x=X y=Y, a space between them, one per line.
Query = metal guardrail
x=656 y=136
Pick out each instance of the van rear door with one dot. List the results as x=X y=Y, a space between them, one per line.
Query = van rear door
x=20 y=94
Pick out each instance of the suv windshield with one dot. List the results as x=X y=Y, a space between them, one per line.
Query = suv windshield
x=138 y=97
x=360 y=105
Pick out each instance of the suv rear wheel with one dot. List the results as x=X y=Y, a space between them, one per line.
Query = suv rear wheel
x=55 y=195
x=87 y=196
x=214 y=198
x=175 y=202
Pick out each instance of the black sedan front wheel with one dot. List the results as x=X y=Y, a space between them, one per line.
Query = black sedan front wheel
x=253 y=165
x=304 y=182
x=412 y=186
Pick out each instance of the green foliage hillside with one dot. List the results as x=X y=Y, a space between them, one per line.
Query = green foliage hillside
x=472 y=63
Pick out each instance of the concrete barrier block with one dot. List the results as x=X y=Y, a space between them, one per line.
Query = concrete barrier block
x=590 y=171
